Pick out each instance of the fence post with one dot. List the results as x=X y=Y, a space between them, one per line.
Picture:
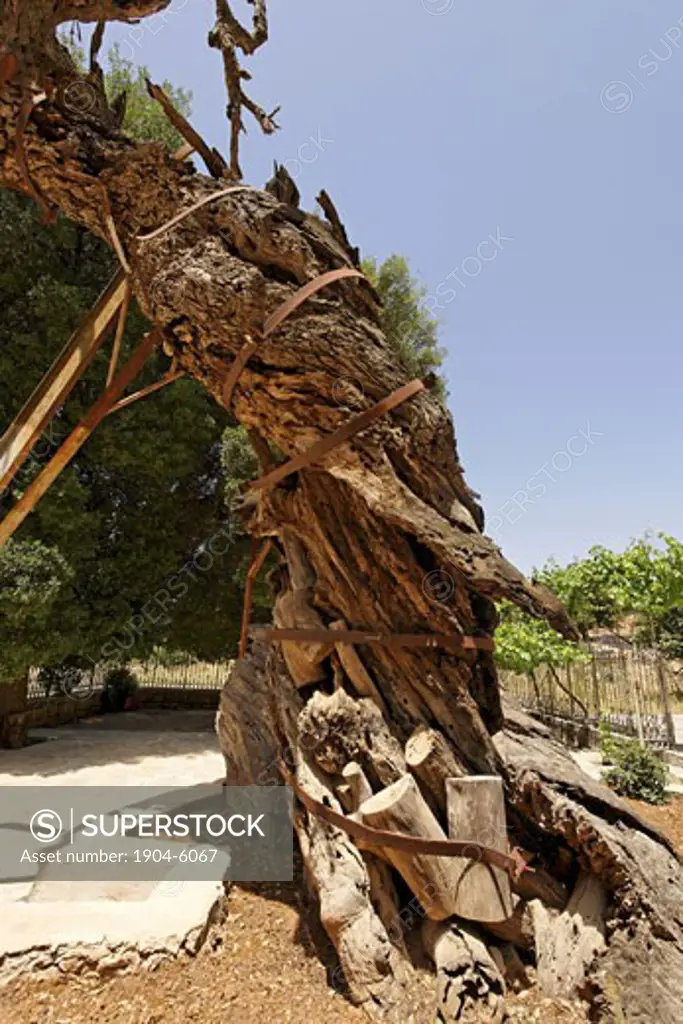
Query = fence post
x=635 y=686
x=596 y=687
x=570 y=687
x=666 y=703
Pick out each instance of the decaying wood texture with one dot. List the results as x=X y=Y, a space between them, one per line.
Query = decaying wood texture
x=640 y=973
x=371 y=521
x=469 y=981
x=567 y=943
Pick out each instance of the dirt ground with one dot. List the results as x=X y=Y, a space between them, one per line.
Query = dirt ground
x=264 y=963
x=668 y=819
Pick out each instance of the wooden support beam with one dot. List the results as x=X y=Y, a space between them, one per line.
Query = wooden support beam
x=78 y=437
x=118 y=337
x=77 y=354
x=170 y=378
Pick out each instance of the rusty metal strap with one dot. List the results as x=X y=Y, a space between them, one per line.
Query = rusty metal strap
x=257 y=561
x=204 y=201
x=453 y=641
x=514 y=863
x=309 y=289
x=337 y=437
x=278 y=317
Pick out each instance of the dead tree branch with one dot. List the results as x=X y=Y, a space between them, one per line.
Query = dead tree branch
x=228 y=35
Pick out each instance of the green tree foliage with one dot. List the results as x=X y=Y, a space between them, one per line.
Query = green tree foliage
x=408 y=325
x=115 y=556
x=523 y=644
x=645 y=580
x=145 y=119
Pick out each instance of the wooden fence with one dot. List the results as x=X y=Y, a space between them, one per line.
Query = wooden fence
x=636 y=692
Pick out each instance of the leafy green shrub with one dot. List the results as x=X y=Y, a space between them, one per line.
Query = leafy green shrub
x=119 y=686
x=635 y=771
x=608 y=743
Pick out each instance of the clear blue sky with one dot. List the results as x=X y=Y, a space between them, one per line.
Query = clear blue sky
x=450 y=120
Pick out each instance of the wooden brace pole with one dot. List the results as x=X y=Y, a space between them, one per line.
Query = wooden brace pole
x=78 y=437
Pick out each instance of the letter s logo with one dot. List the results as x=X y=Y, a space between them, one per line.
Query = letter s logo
x=46 y=826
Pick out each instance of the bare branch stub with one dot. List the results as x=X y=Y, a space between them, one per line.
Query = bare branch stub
x=229 y=35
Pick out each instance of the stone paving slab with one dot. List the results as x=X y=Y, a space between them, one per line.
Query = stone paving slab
x=107 y=926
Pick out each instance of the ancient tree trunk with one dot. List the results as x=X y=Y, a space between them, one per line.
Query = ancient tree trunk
x=382 y=534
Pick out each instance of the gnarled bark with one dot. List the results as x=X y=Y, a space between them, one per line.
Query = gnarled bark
x=364 y=530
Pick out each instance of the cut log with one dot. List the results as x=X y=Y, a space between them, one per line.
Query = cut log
x=402 y=808
x=468 y=978
x=361 y=790
x=568 y=943
x=476 y=811
x=431 y=760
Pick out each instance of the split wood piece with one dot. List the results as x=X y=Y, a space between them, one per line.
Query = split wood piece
x=376 y=972
x=476 y=808
x=348 y=430
x=257 y=561
x=351 y=795
x=304 y=661
x=434 y=880
x=277 y=318
x=404 y=842
x=185 y=151
x=431 y=760
x=60 y=379
x=355 y=669
x=567 y=943
x=453 y=642
x=215 y=163
x=468 y=978
x=78 y=437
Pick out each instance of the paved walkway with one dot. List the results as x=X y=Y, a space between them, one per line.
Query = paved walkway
x=591 y=762
x=144 y=919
